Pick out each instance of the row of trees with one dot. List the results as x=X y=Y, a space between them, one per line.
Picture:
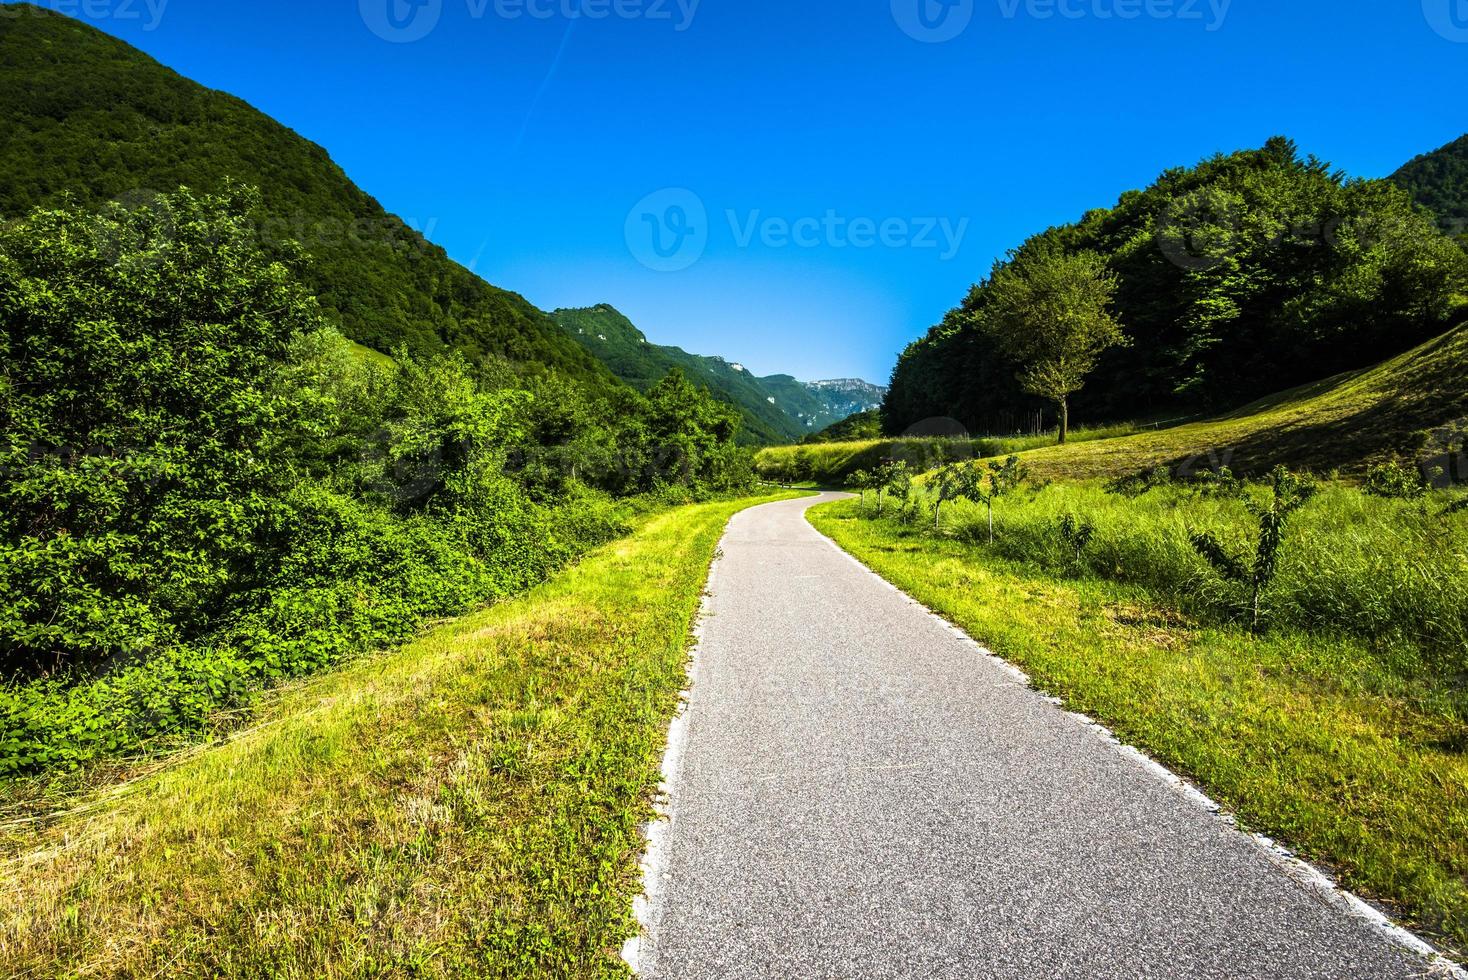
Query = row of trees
x=205 y=486
x=1242 y=276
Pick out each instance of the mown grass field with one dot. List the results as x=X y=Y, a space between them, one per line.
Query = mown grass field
x=1346 y=745
x=469 y=804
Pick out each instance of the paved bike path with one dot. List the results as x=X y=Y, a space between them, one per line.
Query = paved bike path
x=861 y=792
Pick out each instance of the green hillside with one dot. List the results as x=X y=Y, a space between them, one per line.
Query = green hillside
x=1245 y=274
x=776 y=409
x=1439 y=181
x=86 y=114
x=1411 y=409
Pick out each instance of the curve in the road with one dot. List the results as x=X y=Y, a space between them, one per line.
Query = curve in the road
x=860 y=791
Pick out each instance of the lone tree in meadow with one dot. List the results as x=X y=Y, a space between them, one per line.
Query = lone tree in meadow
x=1049 y=310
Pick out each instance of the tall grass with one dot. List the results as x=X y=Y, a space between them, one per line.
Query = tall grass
x=1393 y=572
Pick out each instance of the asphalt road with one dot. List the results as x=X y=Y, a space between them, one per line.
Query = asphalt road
x=863 y=793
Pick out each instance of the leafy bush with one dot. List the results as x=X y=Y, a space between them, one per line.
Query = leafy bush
x=144 y=439
x=1395 y=481
x=208 y=490
x=1076 y=533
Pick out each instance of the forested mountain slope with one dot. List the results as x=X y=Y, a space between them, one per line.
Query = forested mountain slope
x=1439 y=181
x=1245 y=274
x=86 y=114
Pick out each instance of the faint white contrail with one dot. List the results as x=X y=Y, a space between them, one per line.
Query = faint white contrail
x=545 y=83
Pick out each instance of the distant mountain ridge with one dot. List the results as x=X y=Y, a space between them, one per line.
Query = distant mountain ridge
x=777 y=409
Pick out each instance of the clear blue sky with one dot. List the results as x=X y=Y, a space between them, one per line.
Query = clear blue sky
x=528 y=141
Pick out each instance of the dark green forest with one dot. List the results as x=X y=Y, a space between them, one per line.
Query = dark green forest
x=1244 y=275
x=1439 y=182
x=85 y=115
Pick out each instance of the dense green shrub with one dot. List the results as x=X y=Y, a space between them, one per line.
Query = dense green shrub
x=143 y=440
x=1396 y=481
x=207 y=490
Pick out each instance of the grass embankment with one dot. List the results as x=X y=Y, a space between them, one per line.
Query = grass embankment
x=1349 y=749
x=469 y=803
x=1346 y=423
x=831 y=463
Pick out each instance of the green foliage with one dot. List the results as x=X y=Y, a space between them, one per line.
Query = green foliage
x=1391 y=573
x=982 y=483
x=1439 y=181
x=1247 y=274
x=861 y=481
x=1138 y=484
x=863 y=425
x=1395 y=481
x=893 y=477
x=144 y=441
x=85 y=115
x=1076 y=533
x=1048 y=311
x=1287 y=493
x=208 y=490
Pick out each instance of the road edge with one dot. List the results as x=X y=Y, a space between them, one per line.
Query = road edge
x=1304 y=873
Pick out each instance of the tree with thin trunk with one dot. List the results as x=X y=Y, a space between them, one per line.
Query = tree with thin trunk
x=949 y=484
x=1049 y=310
x=862 y=481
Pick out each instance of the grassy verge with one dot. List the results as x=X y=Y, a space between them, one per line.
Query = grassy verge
x=468 y=804
x=1307 y=738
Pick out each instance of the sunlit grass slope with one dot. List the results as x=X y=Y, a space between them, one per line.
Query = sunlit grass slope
x=469 y=804
x=834 y=462
x=1344 y=423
